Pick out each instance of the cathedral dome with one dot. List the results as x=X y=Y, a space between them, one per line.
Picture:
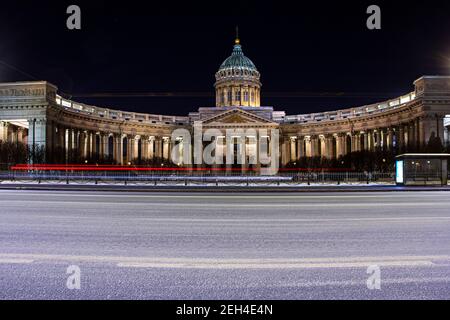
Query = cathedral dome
x=237 y=65
x=238 y=60
x=237 y=81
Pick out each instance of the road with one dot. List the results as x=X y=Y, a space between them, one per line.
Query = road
x=224 y=245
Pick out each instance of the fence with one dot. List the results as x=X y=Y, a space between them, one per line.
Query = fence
x=177 y=176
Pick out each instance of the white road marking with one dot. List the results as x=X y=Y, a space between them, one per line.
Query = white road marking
x=278 y=222
x=249 y=205
x=280 y=265
x=15 y=261
x=346 y=283
x=227 y=196
x=210 y=263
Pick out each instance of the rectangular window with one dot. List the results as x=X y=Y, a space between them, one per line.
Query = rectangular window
x=238 y=96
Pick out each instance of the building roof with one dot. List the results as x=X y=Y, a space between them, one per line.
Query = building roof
x=238 y=60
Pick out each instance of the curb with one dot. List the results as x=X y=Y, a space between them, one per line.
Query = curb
x=225 y=189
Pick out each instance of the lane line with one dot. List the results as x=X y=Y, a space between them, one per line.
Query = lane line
x=347 y=283
x=210 y=263
x=249 y=205
x=15 y=261
x=280 y=221
x=256 y=265
x=228 y=196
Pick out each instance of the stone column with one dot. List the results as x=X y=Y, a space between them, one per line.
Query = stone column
x=20 y=134
x=62 y=139
x=40 y=137
x=300 y=147
x=390 y=138
x=329 y=147
x=4 y=131
x=366 y=141
x=384 y=139
x=417 y=134
x=151 y=148
x=358 y=142
x=137 y=141
x=285 y=156
x=158 y=147
x=355 y=140
x=446 y=136
x=401 y=138
x=406 y=132
x=68 y=143
x=314 y=146
x=103 y=142
x=144 y=147
x=411 y=138
x=31 y=132
x=323 y=146
x=308 y=147
x=89 y=148
x=118 y=148
x=97 y=151
x=165 y=148
x=169 y=148
x=340 y=150
x=40 y=132
x=293 y=149
x=130 y=148
x=82 y=145
x=106 y=146
x=96 y=145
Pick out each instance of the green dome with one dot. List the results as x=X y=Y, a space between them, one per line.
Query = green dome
x=238 y=60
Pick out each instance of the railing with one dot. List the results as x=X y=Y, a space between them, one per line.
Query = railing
x=119 y=115
x=176 y=176
x=352 y=112
x=302 y=118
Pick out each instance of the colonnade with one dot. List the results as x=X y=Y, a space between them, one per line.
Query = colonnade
x=121 y=148
x=411 y=136
x=12 y=133
x=124 y=148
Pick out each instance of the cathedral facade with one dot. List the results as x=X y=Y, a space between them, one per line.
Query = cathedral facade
x=35 y=114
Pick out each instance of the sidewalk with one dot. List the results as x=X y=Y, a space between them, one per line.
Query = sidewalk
x=213 y=188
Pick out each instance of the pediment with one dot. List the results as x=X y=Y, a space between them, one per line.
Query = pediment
x=236 y=116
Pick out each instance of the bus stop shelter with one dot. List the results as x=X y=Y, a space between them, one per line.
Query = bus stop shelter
x=421 y=169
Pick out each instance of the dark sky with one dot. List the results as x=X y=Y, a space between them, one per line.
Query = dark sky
x=312 y=56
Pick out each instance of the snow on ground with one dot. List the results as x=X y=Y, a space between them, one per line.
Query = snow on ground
x=197 y=184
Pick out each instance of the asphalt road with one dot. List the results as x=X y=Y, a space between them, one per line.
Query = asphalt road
x=224 y=246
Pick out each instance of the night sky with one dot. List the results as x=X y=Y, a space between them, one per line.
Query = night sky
x=312 y=56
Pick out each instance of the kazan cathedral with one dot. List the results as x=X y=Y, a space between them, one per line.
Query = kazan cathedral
x=35 y=114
